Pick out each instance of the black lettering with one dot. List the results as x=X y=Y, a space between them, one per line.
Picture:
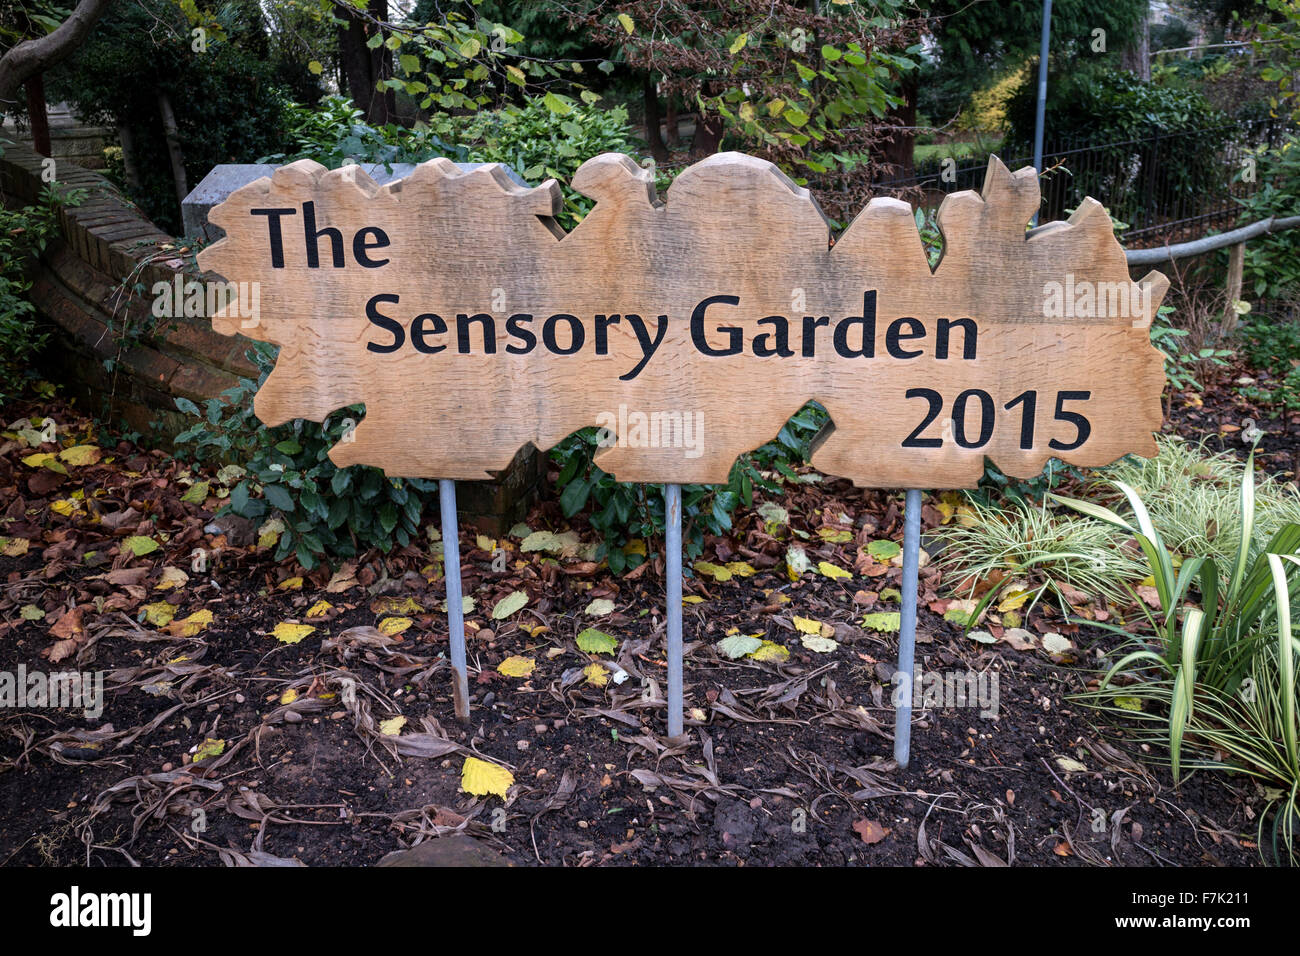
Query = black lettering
x=894 y=334
x=959 y=418
x=868 y=322
x=648 y=347
x=810 y=326
x=418 y=332
x=489 y=332
x=312 y=236
x=603 y=322
x=384 y=322
x=735 y=336
x=577 y=335
x=360 y=247
x=968 y=333
x=514 y=327
x=781 y=336
x=273 y=232
x=936 y=405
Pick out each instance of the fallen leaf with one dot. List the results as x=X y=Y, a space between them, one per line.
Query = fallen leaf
x=600 y=607
x=509 y=604
x=596 y=642
x=480 y=778
x=870 y=830
x=172 y=578
x=516 y=666
x=289 y=633
x=392 y=727
x=738 y=645
x=392 y=626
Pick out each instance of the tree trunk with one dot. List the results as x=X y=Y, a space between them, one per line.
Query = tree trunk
x=30 y=57
x=651 y=98
x=365 y=68
x=130 y=158
x=898 y=153
x=174 y=153
x=708 y=135
x=1136 y=57
x=36 y=115
x=672 y=135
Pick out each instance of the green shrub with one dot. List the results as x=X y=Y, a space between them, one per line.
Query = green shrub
x=1218 y=669
x=327 y=512
x=24 y=233
x=1272 y=264
x=622 y=511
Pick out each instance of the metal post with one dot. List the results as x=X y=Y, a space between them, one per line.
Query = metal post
x=1041 y=108
x=673 y=572
x=455 y=604
x=907 y=629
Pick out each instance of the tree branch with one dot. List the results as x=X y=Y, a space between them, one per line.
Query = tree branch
x=39 y=54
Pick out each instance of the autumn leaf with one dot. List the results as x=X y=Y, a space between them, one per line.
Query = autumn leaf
x=393 y=605
x=290 y=584
x=884 y=550
x=509 y=604
x=392 y=626
x=770 y=651
x=516 y=666
x=319 y=609
x=817 y=644
x=807 y=625
x=832 y=571
x=159 y=613
x=78 y=456
x=139 y=545
x=596 y=642
x=886 y=622
x=870 y=830
x=289 y=633
x=600 y=607
x=480 y=778
x=197 y=493
x=392 y=727
x=13 y=547
x=189 y=626
x=738 y=645
x=172 y=578
x=596 y=674
x=209 y=748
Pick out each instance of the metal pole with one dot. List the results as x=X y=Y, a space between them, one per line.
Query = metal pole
x=673 y=565
x=1041 y=109
x=907 y=629
x=455 y=604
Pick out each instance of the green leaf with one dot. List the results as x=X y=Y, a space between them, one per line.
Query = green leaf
x=509 y=604
x=139 y=545
x=596 y=642
x=279 y=497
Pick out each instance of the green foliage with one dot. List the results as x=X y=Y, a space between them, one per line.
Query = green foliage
x=1272 y=346
x=24 y=233
x=226 y=97
x=327 y=512
x=544 y=136
x=1222 y=636
x=1272 y=264
x=1182 y=361
x=620 y=511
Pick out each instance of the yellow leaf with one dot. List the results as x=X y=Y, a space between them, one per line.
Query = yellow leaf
x=628 y=24
x=209 y=748
x=807 y=625
x=635 y=546
x=159 y=613
x=831 y=571
x=596 y=675
x=770 y=651
x=392 y=727
x=64 y=506
x=692 y=599
x=288 y=633
x=739 y=43
x=1014 y=600
x=80 y=455
x=718 y=572
x=741 y=569
x=290 y=584
x=13 y=547
x=172 y=578
x=392 y=605
x=319 y=609
x=482 y=778
x=289 y=696
x=517 y=666
x=392 y=626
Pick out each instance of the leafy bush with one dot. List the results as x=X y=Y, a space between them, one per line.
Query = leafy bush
x=1219 y=668
x=548 y=136
x=24 y=233
x=1272 y=263
x=1137 y=174
x=1272 y=347
x=326 y=512
x=623 y=512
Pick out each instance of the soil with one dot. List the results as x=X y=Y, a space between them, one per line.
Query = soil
x=783 y=761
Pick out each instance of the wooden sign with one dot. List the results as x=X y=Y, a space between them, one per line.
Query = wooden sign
x=469 y=323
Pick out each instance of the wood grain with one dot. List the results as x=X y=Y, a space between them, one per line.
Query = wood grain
x=475 y=244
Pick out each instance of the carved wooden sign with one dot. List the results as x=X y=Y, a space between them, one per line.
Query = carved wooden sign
x=469 y=323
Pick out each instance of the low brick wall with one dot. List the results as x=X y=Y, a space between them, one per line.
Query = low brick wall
x=125 y=366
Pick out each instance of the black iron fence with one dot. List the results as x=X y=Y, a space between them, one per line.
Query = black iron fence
x=1169 y=187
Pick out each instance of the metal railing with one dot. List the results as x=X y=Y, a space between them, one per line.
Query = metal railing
x=1169 y=187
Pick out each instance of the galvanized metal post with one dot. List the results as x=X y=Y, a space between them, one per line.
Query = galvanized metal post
x=907 y=629
x=1041 y=108
x=673 y=572
x=455 y=603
